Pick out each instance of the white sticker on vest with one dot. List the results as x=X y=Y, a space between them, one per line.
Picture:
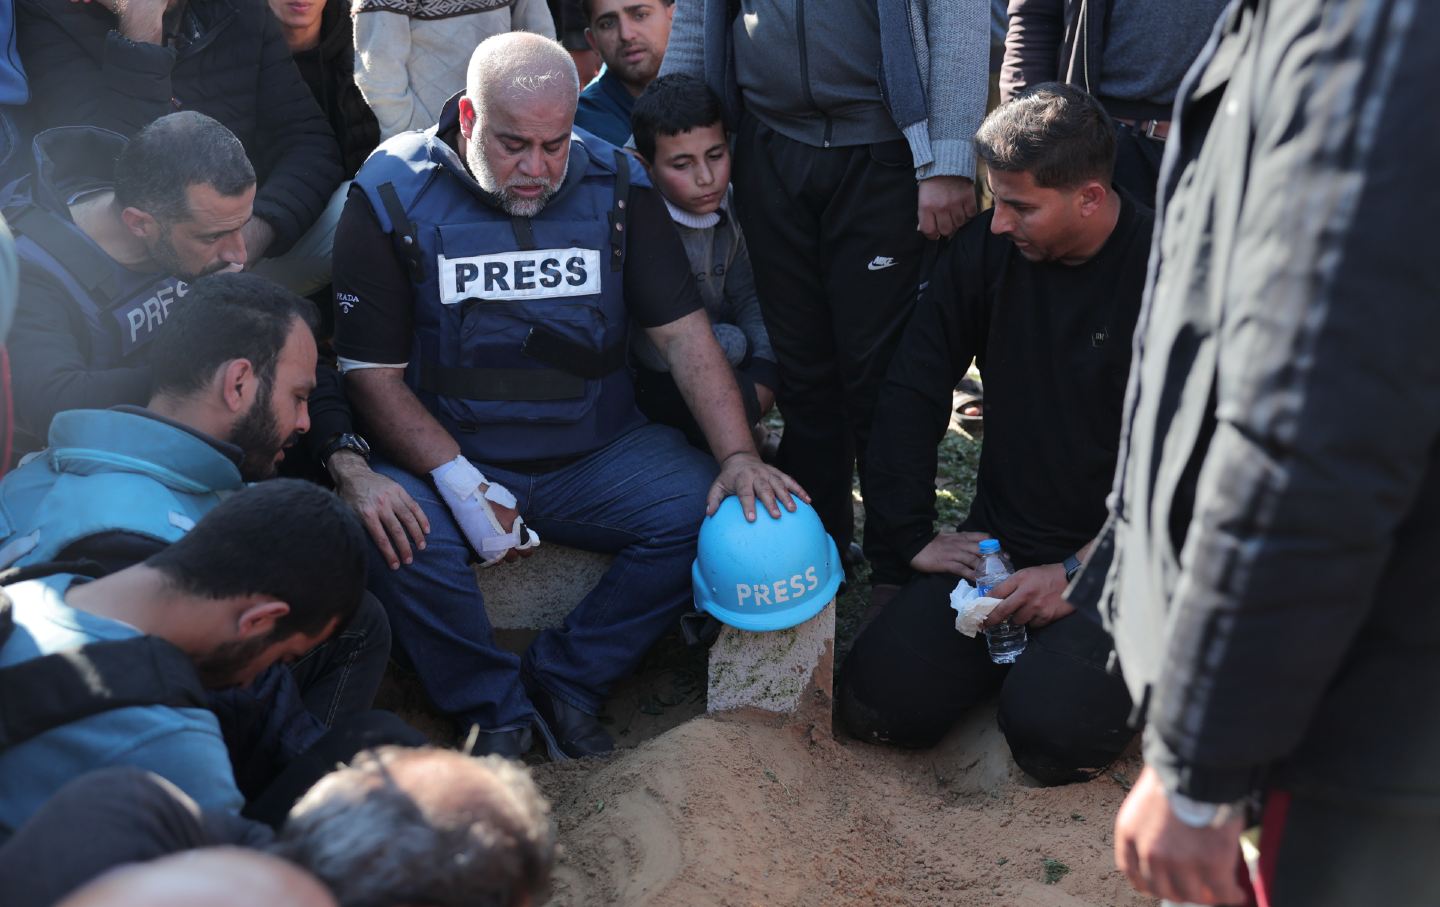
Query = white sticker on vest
x=540 y=274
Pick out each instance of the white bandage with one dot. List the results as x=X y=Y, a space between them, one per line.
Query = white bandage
x=460 y=485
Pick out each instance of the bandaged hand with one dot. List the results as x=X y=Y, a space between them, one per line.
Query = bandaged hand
x=470 y=497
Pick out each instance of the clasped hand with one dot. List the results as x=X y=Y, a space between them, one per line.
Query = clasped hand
x=1033 y=597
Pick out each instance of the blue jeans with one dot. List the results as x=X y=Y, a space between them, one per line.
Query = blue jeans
x=641 y=498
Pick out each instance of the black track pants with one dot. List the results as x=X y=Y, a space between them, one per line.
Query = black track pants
x=911 y=676
x=837 y=261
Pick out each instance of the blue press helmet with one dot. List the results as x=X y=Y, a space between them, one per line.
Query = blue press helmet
x=767 y=575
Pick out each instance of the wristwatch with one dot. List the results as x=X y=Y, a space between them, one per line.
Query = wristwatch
x=1199 y=814
x=344 y=441
x=1072 y=566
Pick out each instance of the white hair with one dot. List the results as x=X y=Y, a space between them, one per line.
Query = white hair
x=517 y=64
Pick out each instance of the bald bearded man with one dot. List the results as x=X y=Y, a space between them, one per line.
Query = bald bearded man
x=488 y=271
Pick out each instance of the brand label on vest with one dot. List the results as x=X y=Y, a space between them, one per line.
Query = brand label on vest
x=778 y=592
x=539 y=274
x=141 y=319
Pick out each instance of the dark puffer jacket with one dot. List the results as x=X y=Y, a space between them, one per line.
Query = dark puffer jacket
x=329 y=70
x=231 y=63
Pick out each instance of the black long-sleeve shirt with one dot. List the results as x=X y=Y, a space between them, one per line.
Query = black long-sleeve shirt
x=1053 y=344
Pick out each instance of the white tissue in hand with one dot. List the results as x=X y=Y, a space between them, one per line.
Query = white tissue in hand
x=971 y=608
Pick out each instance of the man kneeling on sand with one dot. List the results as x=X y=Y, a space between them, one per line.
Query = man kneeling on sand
x=1043 y=293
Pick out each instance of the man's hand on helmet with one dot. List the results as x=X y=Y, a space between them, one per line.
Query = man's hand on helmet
x=744 y=475
x=485 y=511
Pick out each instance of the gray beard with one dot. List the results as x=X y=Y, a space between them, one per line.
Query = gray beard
x=515 y=207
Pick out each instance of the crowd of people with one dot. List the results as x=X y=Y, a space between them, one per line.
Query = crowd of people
x=319 y=305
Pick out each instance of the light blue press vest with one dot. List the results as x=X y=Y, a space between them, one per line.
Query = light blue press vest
x=108 y=471
x=520 y=323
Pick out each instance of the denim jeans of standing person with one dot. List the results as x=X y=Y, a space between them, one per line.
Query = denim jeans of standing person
x=641 y=498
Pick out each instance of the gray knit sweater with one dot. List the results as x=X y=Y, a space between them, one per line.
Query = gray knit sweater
x=952 y=49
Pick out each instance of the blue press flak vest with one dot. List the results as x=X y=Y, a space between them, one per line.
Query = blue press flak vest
x=122 y=309
x=520 y=324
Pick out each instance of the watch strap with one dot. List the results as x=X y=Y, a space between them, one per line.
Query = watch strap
x=344 y=441
x=1072 y=566
x=1202 y=814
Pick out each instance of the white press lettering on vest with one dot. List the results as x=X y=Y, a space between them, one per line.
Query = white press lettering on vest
x=148 y=315
x=540 y=274
x=778 y=592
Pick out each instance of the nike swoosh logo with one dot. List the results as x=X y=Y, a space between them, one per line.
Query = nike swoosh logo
x=880 y=263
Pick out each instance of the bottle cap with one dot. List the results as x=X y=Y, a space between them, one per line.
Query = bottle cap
x=990 y=546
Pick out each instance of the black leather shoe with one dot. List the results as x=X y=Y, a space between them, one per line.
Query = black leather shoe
x=511 y=744
x=574 y=733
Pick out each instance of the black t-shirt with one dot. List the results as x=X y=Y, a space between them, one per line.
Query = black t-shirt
x=1053 y=344
x=375 y=300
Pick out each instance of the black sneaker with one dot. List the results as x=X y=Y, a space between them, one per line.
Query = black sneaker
x=574 y=733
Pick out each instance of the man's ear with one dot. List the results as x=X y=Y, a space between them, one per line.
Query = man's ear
x=590 y=39
x=238 y=385
x=259 y=618
x=140 y=223
x=467 y=118
x=1092 y=197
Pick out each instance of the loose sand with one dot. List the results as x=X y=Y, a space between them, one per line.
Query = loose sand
x=744 y=809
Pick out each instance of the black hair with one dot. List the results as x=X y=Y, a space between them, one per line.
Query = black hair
x=286 y=539
x=589 y=11
x=224 y=317
x=172 y=154
x=670 y=105
x=1057 y=133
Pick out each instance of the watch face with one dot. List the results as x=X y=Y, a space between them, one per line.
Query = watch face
x=347 y=441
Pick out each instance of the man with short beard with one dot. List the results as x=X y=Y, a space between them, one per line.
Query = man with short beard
x=233 y=371
x=488 y=271
x=110 y=234
x=630 y=36
x=234 y=611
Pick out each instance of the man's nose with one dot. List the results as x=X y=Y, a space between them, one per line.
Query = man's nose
x=1000 y=222
x=532 y=163
x=232 y=249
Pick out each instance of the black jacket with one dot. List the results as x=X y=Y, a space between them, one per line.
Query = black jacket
x=52 y=361
x=1273 y=578
x=1053 y=41
x=237 y=69
x=329 y=70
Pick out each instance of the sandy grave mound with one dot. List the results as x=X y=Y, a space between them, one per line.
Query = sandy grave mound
x=743 y=809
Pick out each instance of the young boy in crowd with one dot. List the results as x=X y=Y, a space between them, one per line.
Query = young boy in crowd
x=681 y=138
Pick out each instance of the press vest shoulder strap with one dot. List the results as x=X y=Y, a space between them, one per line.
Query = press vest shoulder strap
x=59 y=238
x=402 y=231
x=64 y=687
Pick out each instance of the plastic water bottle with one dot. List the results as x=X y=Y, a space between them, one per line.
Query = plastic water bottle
x=1007 y=640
